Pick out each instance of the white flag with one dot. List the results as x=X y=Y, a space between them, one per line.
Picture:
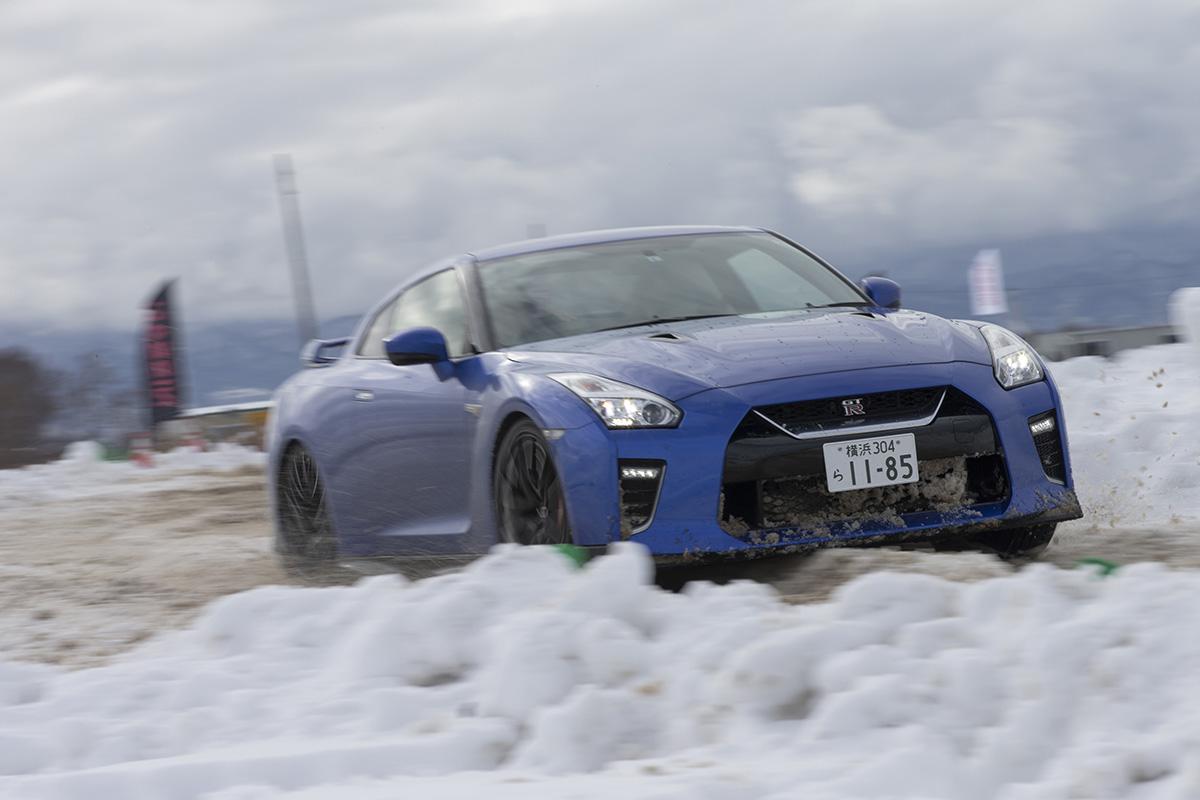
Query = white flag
x=987 y=285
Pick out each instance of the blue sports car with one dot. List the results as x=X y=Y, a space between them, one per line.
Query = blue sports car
x=705 y=391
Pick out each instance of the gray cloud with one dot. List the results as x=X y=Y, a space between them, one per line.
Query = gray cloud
x=137 y=135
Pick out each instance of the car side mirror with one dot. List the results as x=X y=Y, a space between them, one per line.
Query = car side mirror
x=416 y=346
x=320 y=352
x=884 y=293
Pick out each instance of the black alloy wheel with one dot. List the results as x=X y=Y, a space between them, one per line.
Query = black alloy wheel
x=307 y=544
x=530 y=506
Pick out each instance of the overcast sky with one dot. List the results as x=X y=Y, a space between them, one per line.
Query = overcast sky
x=136 y=135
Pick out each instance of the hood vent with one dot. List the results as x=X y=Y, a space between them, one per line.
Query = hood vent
x=666 y=337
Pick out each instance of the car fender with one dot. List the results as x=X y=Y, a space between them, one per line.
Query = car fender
x=549 y=404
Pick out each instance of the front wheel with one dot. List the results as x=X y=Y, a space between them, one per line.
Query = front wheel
x=529 y=500
x=1017 y=542
x=306 y=542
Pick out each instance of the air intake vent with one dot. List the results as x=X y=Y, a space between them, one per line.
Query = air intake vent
x=1049 y=445
x=958 y=404
x=640 y=482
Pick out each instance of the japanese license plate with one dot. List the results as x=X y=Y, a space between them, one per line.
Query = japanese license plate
x=867 y=463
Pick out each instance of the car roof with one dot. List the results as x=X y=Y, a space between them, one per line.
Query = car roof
x=600 y=237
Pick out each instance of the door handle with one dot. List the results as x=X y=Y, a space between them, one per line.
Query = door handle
x=364 y=395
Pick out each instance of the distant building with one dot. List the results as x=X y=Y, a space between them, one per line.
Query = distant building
x=1100 y=341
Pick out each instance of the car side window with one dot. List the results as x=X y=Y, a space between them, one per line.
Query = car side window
x=372 y=344
x=435 y=302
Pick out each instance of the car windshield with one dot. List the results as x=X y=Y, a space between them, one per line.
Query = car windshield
x=577 y=290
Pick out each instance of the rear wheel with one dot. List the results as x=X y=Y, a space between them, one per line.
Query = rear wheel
x=307 y=544
x=1017 y=542
x=529 y=500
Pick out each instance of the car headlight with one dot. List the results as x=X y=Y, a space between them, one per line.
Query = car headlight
x=620 y=405
x=1013 y=361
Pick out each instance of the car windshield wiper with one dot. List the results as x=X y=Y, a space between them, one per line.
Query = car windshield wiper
x=661 y=320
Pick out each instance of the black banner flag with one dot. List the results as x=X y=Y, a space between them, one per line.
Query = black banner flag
x=164 y=389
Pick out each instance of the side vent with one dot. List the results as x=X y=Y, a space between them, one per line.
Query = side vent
x=640 y=483
x=1048 y=440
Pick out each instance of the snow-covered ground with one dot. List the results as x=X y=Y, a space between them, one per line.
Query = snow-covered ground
x=96 y=556
x=522 y=677
x=82 y=474
x=1132 y=422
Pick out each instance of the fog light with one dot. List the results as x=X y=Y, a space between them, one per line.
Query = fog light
x=644 y=473
x=1044 y=425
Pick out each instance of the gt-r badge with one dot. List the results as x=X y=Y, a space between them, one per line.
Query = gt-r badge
x=854 y=408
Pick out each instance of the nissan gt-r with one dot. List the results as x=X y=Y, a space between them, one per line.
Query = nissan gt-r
x=705 y=391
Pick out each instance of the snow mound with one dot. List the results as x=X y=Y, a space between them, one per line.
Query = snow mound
x=83 y=454
x=82 y=473
x=1131 y=427
x=1183 y=309
x=521 y=677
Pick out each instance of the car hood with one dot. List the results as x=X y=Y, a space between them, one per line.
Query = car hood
x=682 y=358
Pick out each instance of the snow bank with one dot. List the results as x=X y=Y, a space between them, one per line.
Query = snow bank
x=82 y=472
x=1131 y=422
x=1183 y=310
x=520 y=677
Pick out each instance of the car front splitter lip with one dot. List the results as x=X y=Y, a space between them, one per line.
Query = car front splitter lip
x=1061 y=506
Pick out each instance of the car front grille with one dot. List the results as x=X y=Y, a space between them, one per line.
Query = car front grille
x=774 y=480
x=836 y=414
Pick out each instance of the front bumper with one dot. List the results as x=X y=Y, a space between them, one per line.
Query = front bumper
x=700 y=463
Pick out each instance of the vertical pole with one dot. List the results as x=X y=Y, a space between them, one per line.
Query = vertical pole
x=293 y=242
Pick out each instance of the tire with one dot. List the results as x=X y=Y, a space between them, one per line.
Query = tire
x=305 y=539
x=1024 y=543
x=527 y=496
